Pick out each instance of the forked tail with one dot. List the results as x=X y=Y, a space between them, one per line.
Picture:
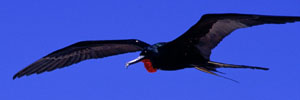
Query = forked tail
x=211 y=68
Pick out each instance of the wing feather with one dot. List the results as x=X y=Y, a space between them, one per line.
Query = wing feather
x=81 y=51
x=207 y=33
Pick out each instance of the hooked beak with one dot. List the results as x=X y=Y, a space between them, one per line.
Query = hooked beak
x=136 y=60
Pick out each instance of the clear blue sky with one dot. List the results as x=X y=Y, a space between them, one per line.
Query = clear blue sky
x=30 y=29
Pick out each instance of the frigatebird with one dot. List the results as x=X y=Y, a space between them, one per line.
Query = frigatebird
x=190 y=50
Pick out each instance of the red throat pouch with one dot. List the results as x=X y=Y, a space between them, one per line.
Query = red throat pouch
x=148 y=66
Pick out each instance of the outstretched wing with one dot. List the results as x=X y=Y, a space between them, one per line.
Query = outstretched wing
x=212 y=28
x=81 y=51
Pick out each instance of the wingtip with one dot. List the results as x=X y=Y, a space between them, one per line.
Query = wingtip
x=261 y=68
x=266 y=69
x=14 y=77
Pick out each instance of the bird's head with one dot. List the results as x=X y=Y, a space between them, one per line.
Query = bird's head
x=146 y=56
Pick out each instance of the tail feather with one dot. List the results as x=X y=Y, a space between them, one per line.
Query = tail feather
x=210 y=72
x=222 y=65
x=212 y=66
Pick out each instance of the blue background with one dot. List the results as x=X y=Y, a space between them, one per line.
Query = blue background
x=30 y=29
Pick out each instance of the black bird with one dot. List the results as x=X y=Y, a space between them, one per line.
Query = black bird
x=190 y=50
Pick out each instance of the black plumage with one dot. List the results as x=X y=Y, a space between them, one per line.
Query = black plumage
x=82 y=51
x=190 y=50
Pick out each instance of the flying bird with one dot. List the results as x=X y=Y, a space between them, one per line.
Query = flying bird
x=190 y=50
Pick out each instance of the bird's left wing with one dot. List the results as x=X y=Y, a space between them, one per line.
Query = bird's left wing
x=81 y=51
x=212 y=28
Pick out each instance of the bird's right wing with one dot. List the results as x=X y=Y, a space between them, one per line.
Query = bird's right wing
x=81 y=51
x=210 y=30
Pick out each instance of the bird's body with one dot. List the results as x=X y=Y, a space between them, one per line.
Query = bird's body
x=190 y=50
x=165 y=59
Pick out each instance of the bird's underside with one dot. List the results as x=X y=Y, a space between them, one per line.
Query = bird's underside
x=195 y=45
